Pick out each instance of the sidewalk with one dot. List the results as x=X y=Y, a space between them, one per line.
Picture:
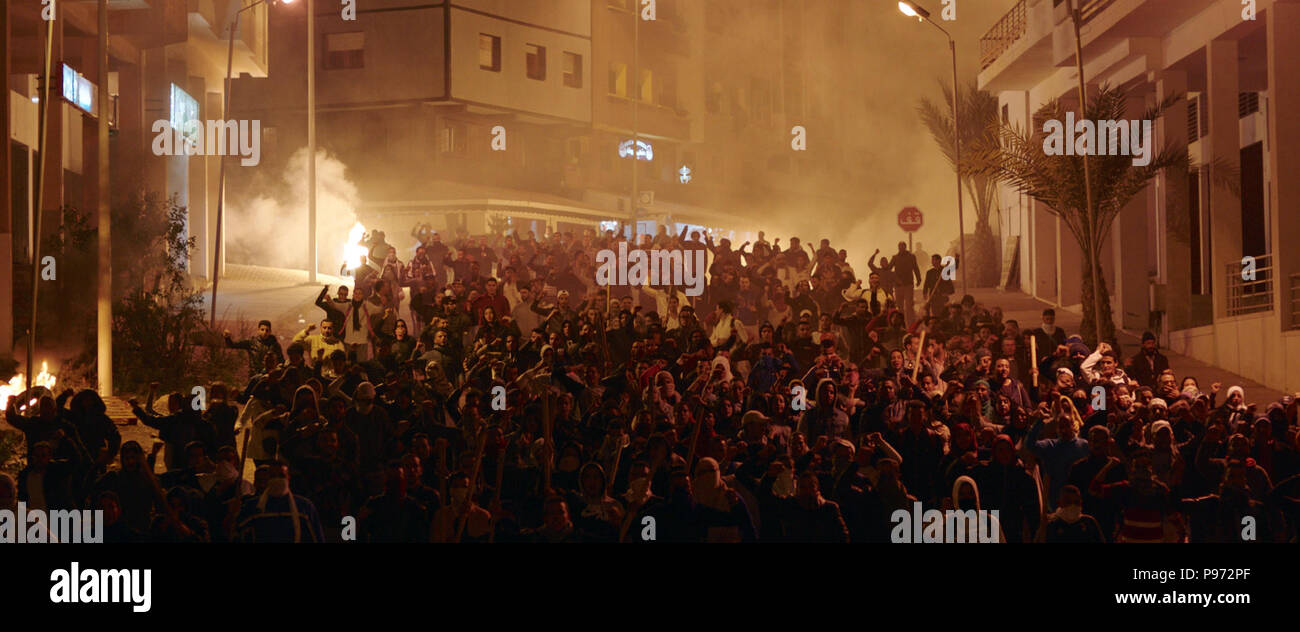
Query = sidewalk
x=1028 y=311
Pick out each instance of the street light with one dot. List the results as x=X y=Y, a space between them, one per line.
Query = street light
x=221 y=160
x=911 y=9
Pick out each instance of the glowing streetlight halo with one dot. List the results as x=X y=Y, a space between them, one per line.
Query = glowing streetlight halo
x=913 y=10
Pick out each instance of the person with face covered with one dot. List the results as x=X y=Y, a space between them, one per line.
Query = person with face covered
x=720 y=510
x=639 y=501
x=277 y=515
x=1069 y=524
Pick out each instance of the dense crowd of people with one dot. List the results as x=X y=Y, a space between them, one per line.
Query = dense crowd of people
x=489 y=390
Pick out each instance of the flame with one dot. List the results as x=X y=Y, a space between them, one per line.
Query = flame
x=18 y=383
x=353 y=251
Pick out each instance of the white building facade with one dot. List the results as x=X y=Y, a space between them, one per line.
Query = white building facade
x=1174 y=260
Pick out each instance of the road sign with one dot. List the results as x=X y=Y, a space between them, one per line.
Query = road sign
x=910 y=219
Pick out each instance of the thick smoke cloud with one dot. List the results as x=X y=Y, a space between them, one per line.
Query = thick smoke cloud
x=269 y=227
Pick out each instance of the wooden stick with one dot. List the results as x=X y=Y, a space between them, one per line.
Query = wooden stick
x=473 y=482
x=1033 y=358
x=613 y=470
x=919 y=350
x=546 y=433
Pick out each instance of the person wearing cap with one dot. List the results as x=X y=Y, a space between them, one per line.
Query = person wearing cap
x=1148 y=363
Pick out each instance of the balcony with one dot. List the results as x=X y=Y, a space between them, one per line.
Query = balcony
x=1253 y=296
x=1008 y=30
x=1003 y=34
x=1294 y=322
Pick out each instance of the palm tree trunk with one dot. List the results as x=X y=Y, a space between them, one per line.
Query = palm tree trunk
x=1090 y=300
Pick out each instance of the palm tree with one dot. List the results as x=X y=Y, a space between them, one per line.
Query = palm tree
x=979 y=134
x=1057 y=182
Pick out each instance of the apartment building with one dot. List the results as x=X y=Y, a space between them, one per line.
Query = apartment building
x=166 y=62
x=1175 y=259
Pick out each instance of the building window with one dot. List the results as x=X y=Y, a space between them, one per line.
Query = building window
x=344 y=50
x=536 y=61
x=618 y=79
x=489 y=52
x=572 y=70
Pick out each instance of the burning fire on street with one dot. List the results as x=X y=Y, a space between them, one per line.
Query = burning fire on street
x=18 y=383
x=354 y=252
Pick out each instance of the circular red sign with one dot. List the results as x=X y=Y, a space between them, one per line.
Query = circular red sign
x=910 y=219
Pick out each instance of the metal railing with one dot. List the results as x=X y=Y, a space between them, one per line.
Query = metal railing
x=1254 y=293
x=1003 y=34
x=1093 y=8
x=1295 y=301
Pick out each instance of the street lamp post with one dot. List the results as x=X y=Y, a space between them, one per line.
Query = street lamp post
x=634 y=83
x=221 y=160
x=911 y=9
x=311 y=141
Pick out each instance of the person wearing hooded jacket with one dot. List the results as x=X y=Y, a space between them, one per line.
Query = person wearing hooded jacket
x=825 y=418
x=593 y=511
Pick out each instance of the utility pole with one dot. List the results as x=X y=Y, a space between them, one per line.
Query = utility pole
x=311 y=141
x=634 y=82
x=104 y=289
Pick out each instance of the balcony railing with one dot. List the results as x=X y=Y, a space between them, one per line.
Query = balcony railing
x=1093 y=8
x=1295 y=301
x=1012 y=26
x=1003 y=34
x=1253 y=295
